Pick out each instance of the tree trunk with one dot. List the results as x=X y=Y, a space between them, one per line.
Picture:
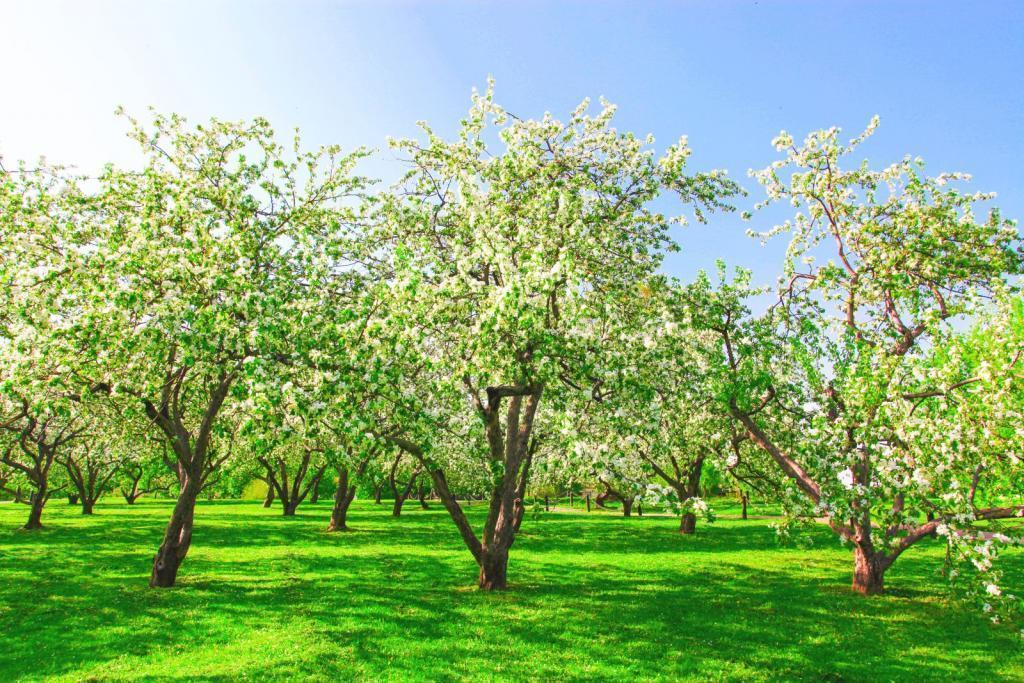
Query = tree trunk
x=640 y=509
x=744 y=499
x=423 y=498
x=72 y=499
x=376 y=494
x=177 y=538
x=288 y=509
x=627 y=507
x=314 y=494
x=268 y=500
x=494 y=569
x=343 y=496
x=35 y=515
x=868 y=571
x=688 y=523
x=87 y=504
x=396 y=508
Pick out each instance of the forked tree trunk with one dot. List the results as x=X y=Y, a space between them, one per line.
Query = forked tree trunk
x=512 y=447
x=87 y=506
x=396 y=506
x=869 y=571
x=343 y=497
x=685 y=479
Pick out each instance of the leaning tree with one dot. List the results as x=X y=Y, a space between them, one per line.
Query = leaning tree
x=834 y=382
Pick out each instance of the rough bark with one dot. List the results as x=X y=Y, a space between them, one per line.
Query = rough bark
x=177 y=538
x=35 y=514
x=869 y=570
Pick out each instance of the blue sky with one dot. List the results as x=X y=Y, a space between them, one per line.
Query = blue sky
x=944 y=77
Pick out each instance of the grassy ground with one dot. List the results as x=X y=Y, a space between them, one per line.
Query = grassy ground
x=595 y=596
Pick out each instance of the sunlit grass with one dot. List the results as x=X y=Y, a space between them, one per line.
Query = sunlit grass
x=593 y=596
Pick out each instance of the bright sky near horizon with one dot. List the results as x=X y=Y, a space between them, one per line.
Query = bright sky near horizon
x=945 y=77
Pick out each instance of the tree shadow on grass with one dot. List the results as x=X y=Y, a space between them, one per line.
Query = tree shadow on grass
x=279 y=598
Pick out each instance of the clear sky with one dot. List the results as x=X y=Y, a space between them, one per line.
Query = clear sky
x=946 y=78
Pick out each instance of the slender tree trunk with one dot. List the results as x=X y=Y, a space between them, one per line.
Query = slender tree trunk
x=640 y=508
x=396 y=507
x=423 y=498
x=314 y=493
x=627 y=507
x=688 y=523
x=343 y=497
x=35 y=514
x=744 y=499
x=376 y=494
x=268 y=500
x=177 y=537
x=588 y=502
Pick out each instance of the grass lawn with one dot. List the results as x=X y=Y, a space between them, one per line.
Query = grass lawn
x=593 y=596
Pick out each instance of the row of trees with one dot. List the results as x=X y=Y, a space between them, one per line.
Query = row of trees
x=499 y=318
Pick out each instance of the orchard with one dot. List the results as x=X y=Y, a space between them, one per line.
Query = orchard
x=244 y=377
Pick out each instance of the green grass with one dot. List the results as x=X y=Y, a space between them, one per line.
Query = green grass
x=596 y=596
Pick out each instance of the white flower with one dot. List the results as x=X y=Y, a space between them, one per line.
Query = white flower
x=846 y=478
x=993 y=589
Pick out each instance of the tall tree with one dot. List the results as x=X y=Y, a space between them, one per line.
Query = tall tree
x=510 y=245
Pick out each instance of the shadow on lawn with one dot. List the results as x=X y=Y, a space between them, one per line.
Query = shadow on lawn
x=396 y=598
